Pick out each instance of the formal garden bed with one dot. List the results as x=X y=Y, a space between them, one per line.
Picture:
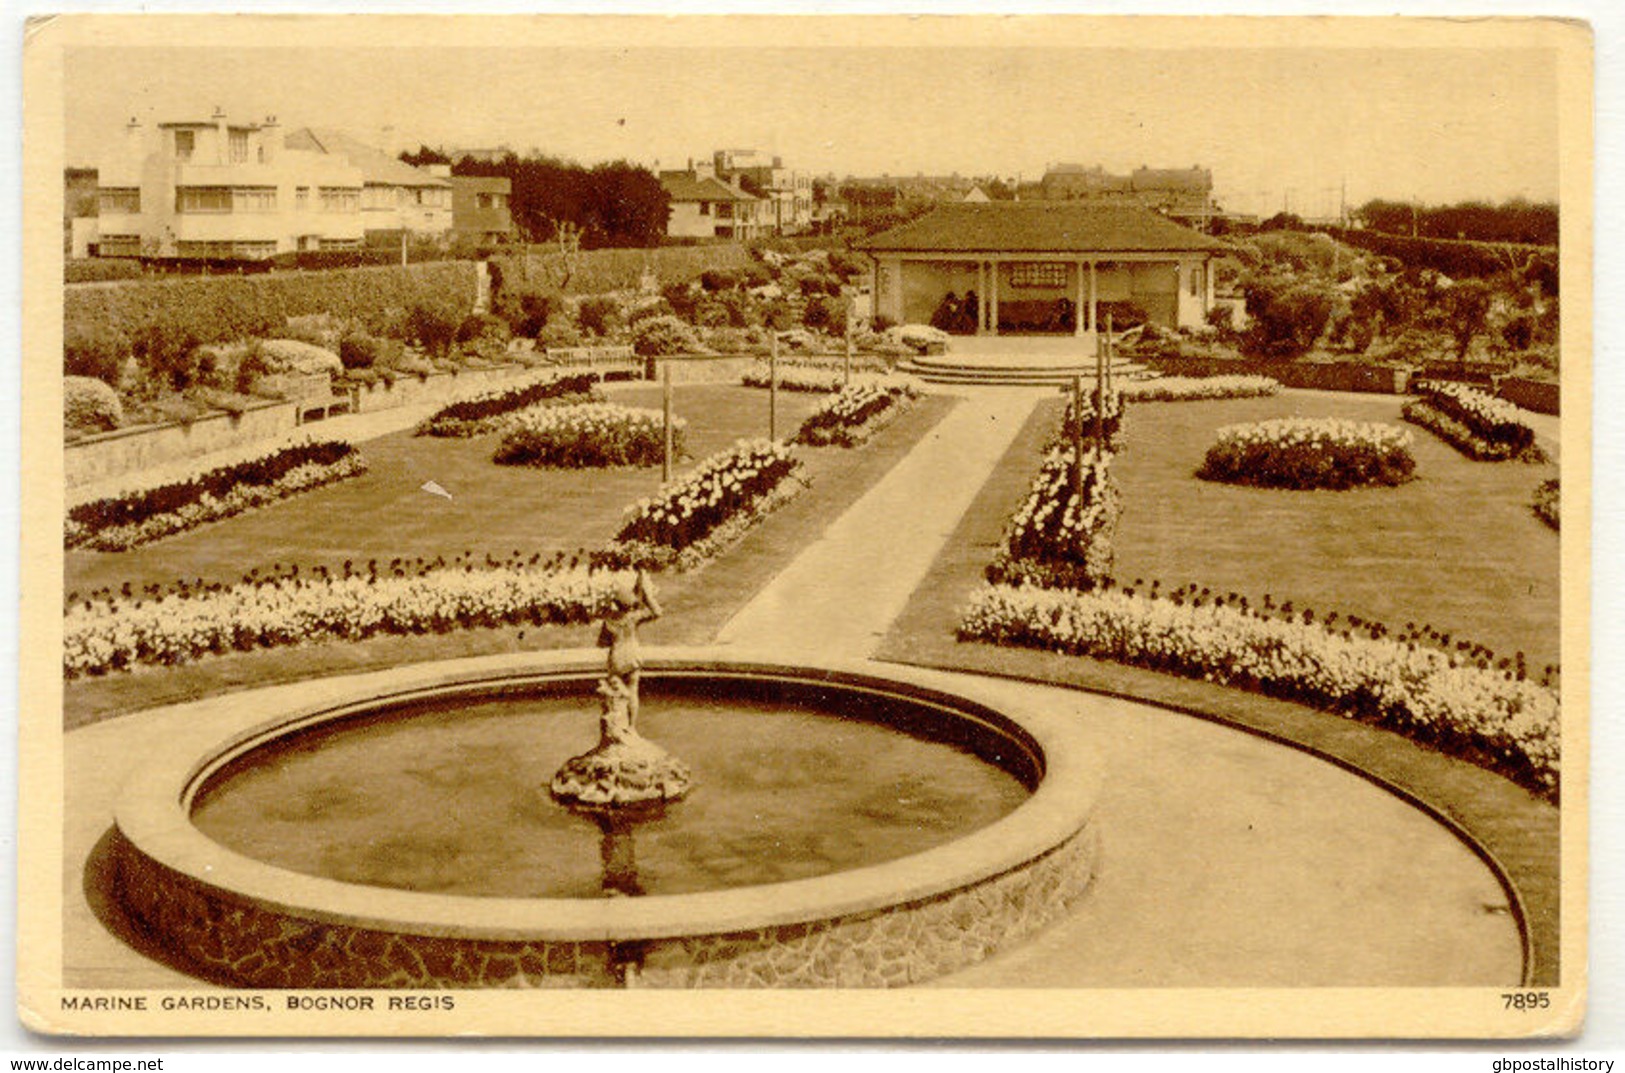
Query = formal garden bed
x=810 y=374
x=1491 y=716
x=699 y=516
x=589 y=435
x=1193 y=388
x=1062 y=533
x=1477 y=424
x=857 y=411
x=1310 y=453
x=141 y=515
x=179 y=624
x=490 y=412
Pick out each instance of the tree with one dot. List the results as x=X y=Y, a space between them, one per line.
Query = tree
x=1466 y=311
x=425 y=155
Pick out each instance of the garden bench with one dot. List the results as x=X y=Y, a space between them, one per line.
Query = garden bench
x=601 y=362
x=315 y=400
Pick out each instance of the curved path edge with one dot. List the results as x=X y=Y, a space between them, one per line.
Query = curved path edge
x=1514 y=833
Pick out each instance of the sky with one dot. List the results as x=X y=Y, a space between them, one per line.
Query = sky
x=1281 y=128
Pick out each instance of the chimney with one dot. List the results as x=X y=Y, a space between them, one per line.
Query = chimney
x=222 y=137
x=270 y=140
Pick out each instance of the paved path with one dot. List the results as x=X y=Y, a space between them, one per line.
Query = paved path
x=844 y=591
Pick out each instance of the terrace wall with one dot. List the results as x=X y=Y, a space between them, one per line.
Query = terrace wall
x=1318 y=376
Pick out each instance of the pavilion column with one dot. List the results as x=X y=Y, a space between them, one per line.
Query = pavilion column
x=993 y=296
x=1093 y=296
x=981 y=297
x=1078 y=320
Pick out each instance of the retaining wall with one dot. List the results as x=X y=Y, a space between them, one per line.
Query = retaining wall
x=1534 y=395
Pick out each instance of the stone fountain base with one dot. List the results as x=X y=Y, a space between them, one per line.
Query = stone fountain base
x=631 y=770
x=625 y=768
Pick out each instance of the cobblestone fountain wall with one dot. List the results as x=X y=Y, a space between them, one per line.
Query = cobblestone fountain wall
x=248 y=945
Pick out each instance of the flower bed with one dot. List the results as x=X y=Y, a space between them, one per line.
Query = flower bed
x=1112 y=424
x=1055 y=539
x=1477 y=424
x=857 y=411
x=805 y=375
x=121 y=633
x=492 y=411
x=1492 y=717
x=1547 y=502
x=1193 y=388
x=588 y=435
x=1303 y=453
x=141 y=515
x=696 y=517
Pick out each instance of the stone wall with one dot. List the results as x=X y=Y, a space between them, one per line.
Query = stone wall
x=114 y=454
x=1318 y=376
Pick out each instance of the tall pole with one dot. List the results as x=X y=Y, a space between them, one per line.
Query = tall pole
x=773 y=390
x=665 y=402
x=1100 y=386
x=1111 y=356
x=403 y=244
x=846 y=372
x=1077 y=438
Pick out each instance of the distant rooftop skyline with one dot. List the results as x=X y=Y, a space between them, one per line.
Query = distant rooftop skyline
x=1278 y=127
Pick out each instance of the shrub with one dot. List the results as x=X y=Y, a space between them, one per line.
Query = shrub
x=882 y=324
x=558 y=333
x=100 y=269
x=600 y=315
x=1306 y=453
x=1124 y=314
x=662 y=336
x=357 y=351
x=1546 y=503
x=89 y=405
x=590 y=435
x=1285 y=319
x=659 y=307
x=432 y=328
x=713 y=279
x=292 y=356
x=251 y=367
x=526 y=310
x=317 y=329
x=480 y=326
x=167 y=353
x=710 y=312
x=681 y=297
x=825 y=314
x=96 y=352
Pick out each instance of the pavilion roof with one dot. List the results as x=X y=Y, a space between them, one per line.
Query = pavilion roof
x=1042 y=227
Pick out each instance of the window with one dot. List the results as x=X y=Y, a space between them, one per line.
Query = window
x=301 y=198
x=253 y=199
x=380 y=197
x=257 y=251
x=725 y=211
x=238 y=142
x=119 y=246
x=119 y=200
x=705 y=208
x=341 y=244
x=340 y=199
x=199 y=199
x=1195 y=273
x=185 y=142
x=214 y=251
x=1038 y=274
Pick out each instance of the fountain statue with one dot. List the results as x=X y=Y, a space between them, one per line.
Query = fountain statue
x=624 y=768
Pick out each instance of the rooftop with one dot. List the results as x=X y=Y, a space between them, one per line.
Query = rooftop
x=684 y=186
x=1042 y=227
x=376 y=165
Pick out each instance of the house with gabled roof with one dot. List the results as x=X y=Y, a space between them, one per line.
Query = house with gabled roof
x=1040 y=268
x=704 y=206
x=396 y=198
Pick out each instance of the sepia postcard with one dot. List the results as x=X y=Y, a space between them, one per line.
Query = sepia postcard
x=805 y=526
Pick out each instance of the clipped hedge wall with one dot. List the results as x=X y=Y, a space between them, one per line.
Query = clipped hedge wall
x=601 y=271
x=1456 y=258
x=218 y=309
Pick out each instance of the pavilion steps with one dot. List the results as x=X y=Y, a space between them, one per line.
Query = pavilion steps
x=938 y=370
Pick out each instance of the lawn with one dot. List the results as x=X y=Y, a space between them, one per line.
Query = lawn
x=1458 y=548
x=696 y=604
x=385 y=513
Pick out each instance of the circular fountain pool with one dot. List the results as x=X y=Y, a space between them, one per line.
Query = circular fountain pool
x=845 y=829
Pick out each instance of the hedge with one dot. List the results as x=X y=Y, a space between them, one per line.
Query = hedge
x=1456 y=258
x=601 y=271
x=218 y=309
